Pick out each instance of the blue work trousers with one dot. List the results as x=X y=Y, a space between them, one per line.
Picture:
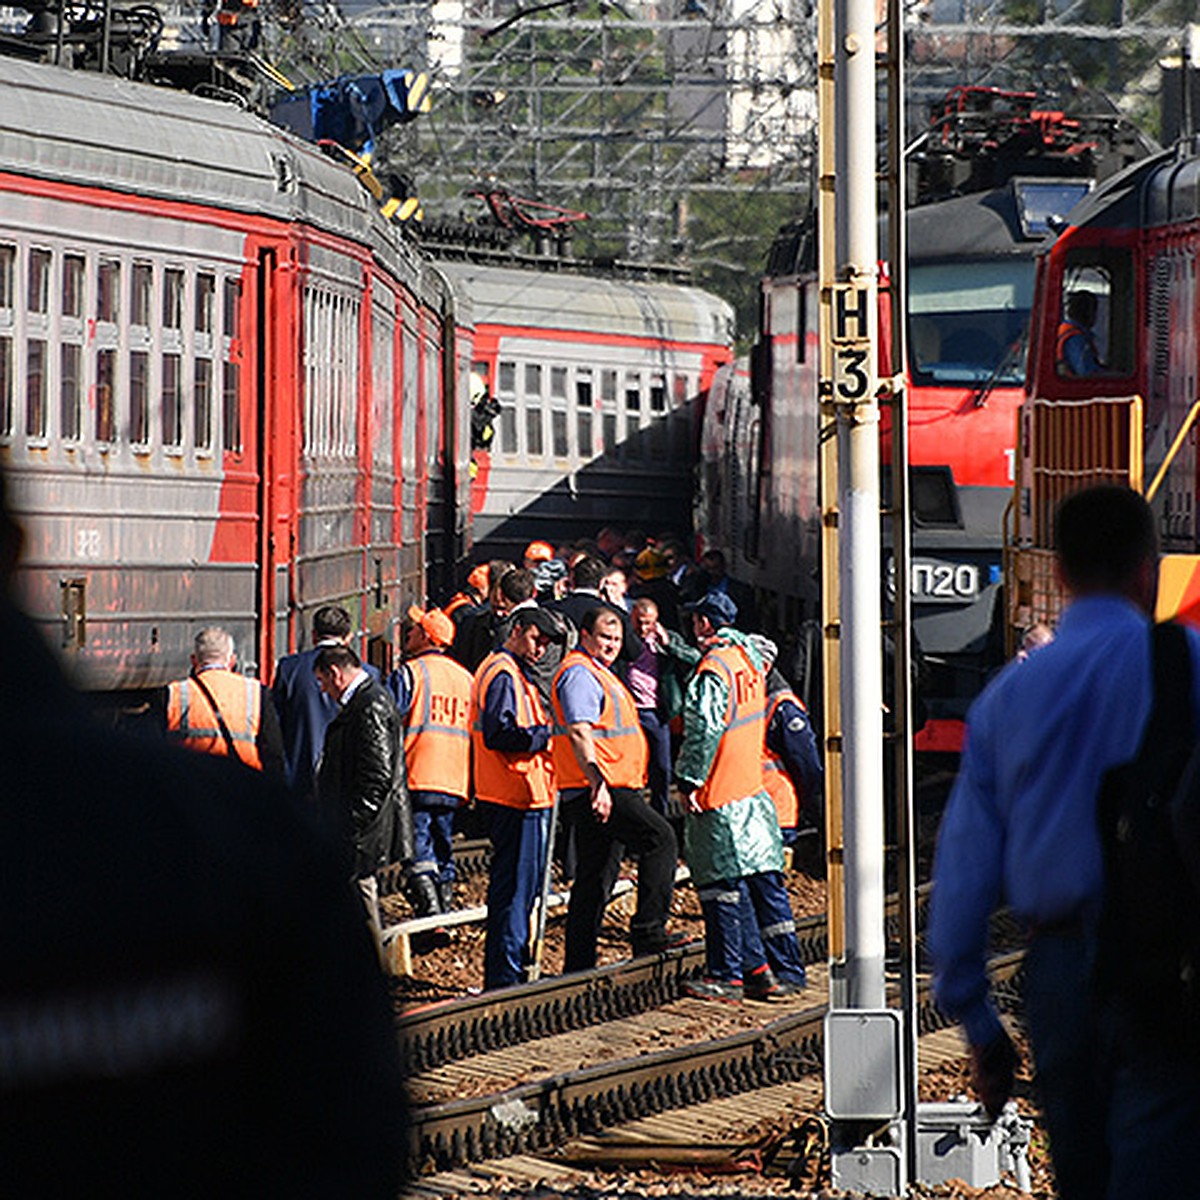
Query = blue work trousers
x=748 y=922
x=514 y=884
x=658 y=739
x=1123 y=1122
x=433 y=831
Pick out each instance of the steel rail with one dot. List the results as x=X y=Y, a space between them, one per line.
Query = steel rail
x=450 y=1030
x=539 y=1115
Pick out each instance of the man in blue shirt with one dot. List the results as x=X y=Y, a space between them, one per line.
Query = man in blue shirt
x=1076 y=343
x=1021 y=828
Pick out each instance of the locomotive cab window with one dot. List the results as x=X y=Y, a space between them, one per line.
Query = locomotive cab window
x=1096 y=317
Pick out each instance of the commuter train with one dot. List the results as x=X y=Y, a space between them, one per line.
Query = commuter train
x=1134 y=245
x=994 y=177
x=600 y=383
x=231 y=391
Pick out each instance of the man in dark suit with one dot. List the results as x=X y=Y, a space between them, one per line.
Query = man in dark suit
x=361 y=774
x=584 y=596
x=304 y=710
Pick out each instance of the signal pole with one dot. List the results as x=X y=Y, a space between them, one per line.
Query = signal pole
x=863 y=1038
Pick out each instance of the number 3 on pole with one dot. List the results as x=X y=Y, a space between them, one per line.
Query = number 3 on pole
x=851 y=380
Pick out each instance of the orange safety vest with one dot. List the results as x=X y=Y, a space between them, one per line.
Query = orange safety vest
x=1066 y=331
x=191 y=720
x=517 y=780
x=437 y=742
x=457 y=601
x=737 y=770
x=621 y=751
x=776 y=779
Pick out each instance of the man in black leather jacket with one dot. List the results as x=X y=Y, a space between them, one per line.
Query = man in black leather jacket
x=361 y=773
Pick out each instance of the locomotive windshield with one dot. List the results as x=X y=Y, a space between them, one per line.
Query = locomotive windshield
x=967 y=321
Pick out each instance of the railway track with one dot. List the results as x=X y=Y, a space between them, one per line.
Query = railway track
x=523 y=1070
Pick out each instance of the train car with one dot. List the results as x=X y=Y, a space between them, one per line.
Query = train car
x=994 y=177
x=1129 y=417
x=599 y=381
x=229 y=392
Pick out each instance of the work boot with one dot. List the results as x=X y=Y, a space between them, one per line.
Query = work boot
x=643 y=946
x=727 y=990
x=763 y=985
x=445 y=891
x=423 y=895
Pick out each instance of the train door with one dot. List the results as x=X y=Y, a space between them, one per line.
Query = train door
x=412 y=558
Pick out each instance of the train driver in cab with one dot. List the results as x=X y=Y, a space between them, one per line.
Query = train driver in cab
x=1075 y=350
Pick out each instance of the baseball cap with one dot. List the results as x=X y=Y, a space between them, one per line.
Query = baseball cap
x=716 y=606
x=539 y=551
x=438 y=627
x=541 y=619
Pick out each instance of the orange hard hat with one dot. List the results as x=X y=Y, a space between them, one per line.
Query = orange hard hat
x=539 y=552
x=438 y=627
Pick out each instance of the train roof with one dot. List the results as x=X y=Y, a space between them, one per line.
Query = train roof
x=981 y=225
x=588 y=304
x=81 y=127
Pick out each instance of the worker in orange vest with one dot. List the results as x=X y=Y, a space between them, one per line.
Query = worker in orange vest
x=601 y=760
x=217 y=711
x=731 y=831
x=433 y=694
x=514 y=788
x=792 y=771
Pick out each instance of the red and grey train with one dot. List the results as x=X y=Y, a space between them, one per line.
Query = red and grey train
x=1134 y=245
x=231 y=391
x=994 y=175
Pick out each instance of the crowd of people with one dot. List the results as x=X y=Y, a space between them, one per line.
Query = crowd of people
x=560 y=697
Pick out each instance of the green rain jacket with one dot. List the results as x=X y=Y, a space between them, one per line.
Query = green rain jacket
x=737 y=839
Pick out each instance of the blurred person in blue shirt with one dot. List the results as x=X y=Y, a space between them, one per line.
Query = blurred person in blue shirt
x=1021 y=828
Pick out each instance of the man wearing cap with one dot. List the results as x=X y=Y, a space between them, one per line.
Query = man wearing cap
x=514 y=787
x=472 y=595
x=600 y=760
x=433 y=694
x=537 y=552
x=652 y=579
x=731 y=832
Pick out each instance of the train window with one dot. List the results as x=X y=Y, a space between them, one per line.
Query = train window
x=558 y=383
x=633 y=395
x=609 y=429
x=139 y=399
x=232 y=308
x=231 y=406
x=681 y=391
x=172 y=298
x=584 y=404
x=108 y=291
x=8 y=259
x=72 y=285
x=608 y=385
x=172 y=400
x=558 y=432
x=141 y=288
x=6 y=387
x=1095 y=331
x=383 y=356
x=968 y=320
x=35 y=388
x=205 y=291
x=533 y=379
x=534 y=446
x=202 y=388
x=658 y=393
x=69 y=377
x=38 y=300
x=508 y=377
x=106 y=383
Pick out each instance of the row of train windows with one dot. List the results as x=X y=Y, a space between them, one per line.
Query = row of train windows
x=171 y=289
x=522 y=411
x=140 y=377
x=161 y=359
